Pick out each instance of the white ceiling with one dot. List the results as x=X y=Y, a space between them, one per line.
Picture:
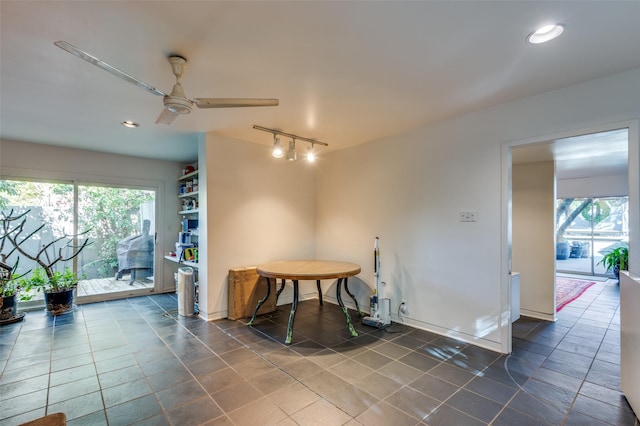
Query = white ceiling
x=345 y=72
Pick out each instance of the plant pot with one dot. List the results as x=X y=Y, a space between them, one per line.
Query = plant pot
x=563 y=250
x=9 y=310
x=616 y=272
x=59 y=302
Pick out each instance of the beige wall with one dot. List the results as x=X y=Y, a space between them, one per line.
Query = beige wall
x=255 y=209
x=533 y=248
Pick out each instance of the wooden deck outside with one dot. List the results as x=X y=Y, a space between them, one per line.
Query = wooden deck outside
x=110 y=285
x=94 y=287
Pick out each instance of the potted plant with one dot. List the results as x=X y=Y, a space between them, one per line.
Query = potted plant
x=616 y=260
x=563 y=250
x=58 y=286
x=9 y=293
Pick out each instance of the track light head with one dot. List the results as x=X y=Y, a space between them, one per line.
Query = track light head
x=311 y=156
x=277 y=150
x=291 y=153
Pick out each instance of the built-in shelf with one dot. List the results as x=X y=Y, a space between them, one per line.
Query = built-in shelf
x=184 y=262
x=191 y=213
x=193 y=194
x=188 y=176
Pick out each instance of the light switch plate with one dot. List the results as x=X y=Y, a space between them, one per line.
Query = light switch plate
x=468 y=215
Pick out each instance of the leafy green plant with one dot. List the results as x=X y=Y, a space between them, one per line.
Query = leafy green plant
x=58 y=281
x=9 y=288
x=65 y=280
x=616 y=260
x=12 y=285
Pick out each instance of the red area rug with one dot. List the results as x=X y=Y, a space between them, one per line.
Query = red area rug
x=569 y=289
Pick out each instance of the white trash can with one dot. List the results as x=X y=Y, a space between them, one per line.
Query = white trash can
x=186 y=292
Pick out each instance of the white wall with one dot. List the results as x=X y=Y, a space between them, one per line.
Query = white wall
x=255 y=209
x=597 y=186
x=27 y=160
x=630 y=338
x=408 y=190
x=533 y=248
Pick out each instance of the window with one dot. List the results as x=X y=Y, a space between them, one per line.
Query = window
x=587 y=228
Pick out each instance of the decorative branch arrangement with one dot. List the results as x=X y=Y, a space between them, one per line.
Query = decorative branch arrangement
x=12 y=229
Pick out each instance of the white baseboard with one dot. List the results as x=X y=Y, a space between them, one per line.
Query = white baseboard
x=537 y=315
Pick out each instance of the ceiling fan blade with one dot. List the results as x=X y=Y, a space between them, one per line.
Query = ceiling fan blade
x=234 y=102
x=166 y=117
x=111 y=69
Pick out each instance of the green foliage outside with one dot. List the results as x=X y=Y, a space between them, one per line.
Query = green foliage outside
x=568 y=209
x=6 y=189
x=601 y=211
x=112 y=214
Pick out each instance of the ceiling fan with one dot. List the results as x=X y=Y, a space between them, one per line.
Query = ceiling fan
x=176 y=102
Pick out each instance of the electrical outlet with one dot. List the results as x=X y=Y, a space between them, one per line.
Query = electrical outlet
x=403 y=308
x=468 y=215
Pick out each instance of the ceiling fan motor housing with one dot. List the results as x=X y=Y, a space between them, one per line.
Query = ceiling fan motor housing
x=177 y=101
x=177 y=105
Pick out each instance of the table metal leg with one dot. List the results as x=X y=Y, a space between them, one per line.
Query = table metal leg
x=292 y=315
x=346 y=287
x=261 y=302
x=353 y=331
x=280 y=291
x=320 y=291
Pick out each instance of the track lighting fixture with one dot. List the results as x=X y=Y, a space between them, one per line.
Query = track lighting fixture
x=311 y=156
x=277 y=151
x=291 y=154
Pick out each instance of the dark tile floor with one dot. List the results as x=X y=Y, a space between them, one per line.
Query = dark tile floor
x=135 y=361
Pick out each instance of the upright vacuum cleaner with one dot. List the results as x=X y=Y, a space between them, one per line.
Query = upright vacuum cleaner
x=380 y=308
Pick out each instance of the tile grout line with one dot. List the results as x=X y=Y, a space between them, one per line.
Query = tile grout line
x=599 y=346
x=168 y=315
x=521 y=389
x=569 y=410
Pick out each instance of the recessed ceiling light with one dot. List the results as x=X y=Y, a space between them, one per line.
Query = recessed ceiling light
x=546 y=33
x=130 y=124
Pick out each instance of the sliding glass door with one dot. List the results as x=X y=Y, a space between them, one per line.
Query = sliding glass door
x=121 y=225
x=119 y=222
x=588 y=228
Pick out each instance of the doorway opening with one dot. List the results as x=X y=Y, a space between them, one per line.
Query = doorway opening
x=578 y=162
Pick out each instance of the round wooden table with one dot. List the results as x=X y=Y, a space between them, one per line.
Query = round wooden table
x=317 y=270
